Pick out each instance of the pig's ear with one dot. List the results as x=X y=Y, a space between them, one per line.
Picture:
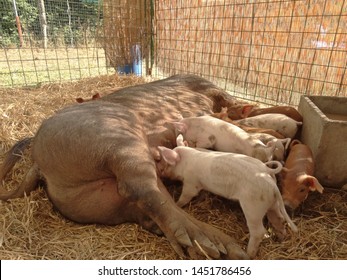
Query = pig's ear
x=180 y=141
x=286 y=143
x=79 y=100
x=224 y=110
x=246 y=110
x=311 y=182
x=223 y=113
x=294 y=142
x=169 y=125
x=170 y=156
x=272 y=143
x=271 y=146
x=181 y=127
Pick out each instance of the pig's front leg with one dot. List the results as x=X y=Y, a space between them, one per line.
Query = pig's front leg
x=189 y=190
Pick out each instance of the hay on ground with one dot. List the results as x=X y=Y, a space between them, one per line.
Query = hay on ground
x=32 y=229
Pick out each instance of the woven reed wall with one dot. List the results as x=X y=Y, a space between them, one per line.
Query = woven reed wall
x=271 y=51
x=126 y=23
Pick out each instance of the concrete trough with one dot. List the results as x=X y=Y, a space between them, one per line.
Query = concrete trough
x=324 y=130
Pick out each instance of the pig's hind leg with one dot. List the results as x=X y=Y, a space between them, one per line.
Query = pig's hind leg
x=254 y=217
x=276 y=216
x=277 y=221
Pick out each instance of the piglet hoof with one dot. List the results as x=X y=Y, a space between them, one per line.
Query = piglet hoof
x=281 y=235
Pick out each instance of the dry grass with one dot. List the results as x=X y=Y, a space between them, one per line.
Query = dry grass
x=32 y=229
x=32 y=66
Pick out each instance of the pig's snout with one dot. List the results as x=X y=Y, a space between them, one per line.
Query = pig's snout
x=290 y=204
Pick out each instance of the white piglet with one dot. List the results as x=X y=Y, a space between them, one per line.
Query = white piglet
x=212 y=133
x=281 y=145
x=278 y=122
x=233 y=176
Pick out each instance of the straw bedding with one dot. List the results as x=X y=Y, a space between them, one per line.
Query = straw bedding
x=31 y=229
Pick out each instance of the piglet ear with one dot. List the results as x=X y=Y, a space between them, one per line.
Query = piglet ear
x=96 y=96
x=286 y=143
x=79 y=100
x=312 y=183
x=223 y=113
x=170 y=156
x=272 y=143
x=246 y=110
x=294 y=142
x=180 y=141
x=181 y=127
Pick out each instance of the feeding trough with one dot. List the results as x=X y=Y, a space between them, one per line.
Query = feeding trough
x=325 y=131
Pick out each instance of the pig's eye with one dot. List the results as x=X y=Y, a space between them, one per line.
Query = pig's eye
x=302 y=190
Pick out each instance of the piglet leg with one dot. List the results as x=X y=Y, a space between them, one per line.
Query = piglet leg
x=254 y=217
x=188 y=192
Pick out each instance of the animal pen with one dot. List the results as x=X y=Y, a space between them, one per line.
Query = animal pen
x=270 y=52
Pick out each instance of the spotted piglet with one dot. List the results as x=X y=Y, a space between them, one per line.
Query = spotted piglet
x=212 y=133
x=281 y=123
x=232 y=176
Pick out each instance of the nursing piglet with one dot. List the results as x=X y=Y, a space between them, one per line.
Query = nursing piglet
x=281 y=145
x=278 y=122
x=232 y=176
x=297 y=178
x=212 y=133
x=241 y=111
x=223 y=115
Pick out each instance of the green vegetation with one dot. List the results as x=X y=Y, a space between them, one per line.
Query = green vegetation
x=71 y=22
x=59 y=41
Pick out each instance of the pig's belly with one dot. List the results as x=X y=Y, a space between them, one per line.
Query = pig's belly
x=94 y=202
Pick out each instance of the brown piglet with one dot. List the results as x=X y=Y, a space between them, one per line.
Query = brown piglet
x=297 y=178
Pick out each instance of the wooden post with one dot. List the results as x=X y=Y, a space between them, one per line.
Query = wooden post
x=43 y=21
x=19 y=27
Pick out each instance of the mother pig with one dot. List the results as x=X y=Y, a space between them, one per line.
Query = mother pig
x=97 y=161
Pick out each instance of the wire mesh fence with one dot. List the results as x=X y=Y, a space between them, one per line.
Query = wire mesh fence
x=269 y=50
x=54 y=40
x=127 y=28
